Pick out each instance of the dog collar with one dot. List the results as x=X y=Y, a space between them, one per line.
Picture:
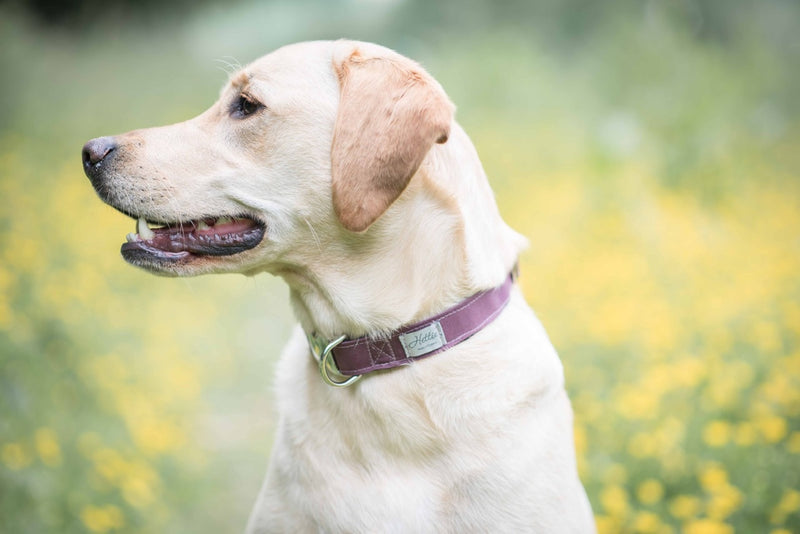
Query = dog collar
x=343 y=361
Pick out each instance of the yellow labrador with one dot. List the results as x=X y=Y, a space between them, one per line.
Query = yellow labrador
x=419 y=393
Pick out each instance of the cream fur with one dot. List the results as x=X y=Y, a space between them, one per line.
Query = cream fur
x=475 y=439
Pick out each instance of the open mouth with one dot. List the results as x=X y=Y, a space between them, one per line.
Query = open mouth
x=175 y=242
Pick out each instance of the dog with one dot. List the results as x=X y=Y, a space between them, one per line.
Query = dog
x=419 y=392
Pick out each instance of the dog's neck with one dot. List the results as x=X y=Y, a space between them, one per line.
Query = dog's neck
x=425 y=254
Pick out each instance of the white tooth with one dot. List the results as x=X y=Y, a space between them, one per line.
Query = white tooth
x=224 y=220
x=143 y=230
x=131 y=237
x=203 y=226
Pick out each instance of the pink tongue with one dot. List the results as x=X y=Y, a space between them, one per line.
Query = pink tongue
x=239 y=225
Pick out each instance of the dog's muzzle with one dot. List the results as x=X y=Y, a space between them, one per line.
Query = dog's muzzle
x=170 y=240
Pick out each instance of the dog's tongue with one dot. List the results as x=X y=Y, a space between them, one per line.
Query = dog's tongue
x=211 y=237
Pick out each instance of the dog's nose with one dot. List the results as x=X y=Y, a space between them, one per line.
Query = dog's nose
x=95 y=151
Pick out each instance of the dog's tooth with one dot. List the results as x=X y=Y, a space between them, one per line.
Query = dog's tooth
x=131 y=237
x=224 y=220
x=143 y=230
x=201 y=225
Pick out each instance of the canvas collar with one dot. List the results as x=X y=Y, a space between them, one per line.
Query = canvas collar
x=343 y=361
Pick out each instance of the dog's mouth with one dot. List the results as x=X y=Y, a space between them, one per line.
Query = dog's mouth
x=180 y=241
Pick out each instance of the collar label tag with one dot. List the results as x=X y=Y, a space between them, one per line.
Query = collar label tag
x=424 y=340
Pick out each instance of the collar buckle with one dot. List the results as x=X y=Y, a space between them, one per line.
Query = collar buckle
x=322 y=350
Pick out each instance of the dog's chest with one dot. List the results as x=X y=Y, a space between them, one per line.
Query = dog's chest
x=435 y=444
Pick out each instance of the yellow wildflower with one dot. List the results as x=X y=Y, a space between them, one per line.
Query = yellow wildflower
x=773 y=428
x=102 y=518
x=723 y=389
x=707 y=526
x=689 y=371
x=156 y=436
x=15 y=456
x=637 y=403
x=646 y=522
x=606 y=524
x=579 y=436
x=794 y=443
x=724 y=502
x=713 y=477
x=47 y=447
x=110 y=464
x=779 y=389
x=789 y=503
x=650 y=491
x=183 y=380
x=717 y=433
x=137 y=490
x=684 y=506
x=615 y=501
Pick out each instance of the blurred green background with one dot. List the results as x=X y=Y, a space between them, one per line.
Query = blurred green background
x=649 y=149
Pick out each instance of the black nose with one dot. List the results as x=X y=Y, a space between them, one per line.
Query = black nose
x=95 y=152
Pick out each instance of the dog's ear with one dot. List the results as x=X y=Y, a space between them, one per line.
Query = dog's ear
x=391 y=112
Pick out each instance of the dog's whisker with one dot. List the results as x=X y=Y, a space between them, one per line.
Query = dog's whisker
x=229 y=65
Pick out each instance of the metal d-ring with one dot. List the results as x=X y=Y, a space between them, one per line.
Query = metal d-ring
x=326 y=365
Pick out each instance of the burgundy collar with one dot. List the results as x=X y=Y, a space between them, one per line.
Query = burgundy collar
x=355 y=357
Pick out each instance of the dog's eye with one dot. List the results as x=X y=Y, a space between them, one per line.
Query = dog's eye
x=244 y=106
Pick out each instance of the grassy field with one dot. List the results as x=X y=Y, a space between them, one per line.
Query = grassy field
x=655 y=169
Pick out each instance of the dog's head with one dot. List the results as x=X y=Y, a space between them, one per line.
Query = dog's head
x=313 y=139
